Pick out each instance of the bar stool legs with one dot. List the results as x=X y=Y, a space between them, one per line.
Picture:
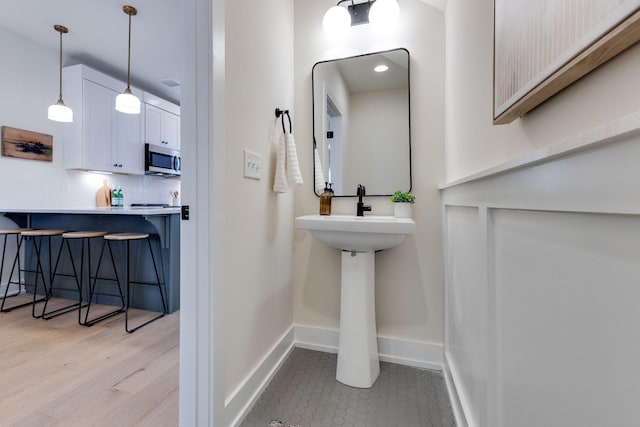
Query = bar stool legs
x=16 y=261
x=129 y=282
x=93 y=291
x=127 y=237
x=37 y=245
x=85 y=237
x=124 y=293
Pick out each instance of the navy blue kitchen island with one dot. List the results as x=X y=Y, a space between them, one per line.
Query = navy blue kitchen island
x=163 y=224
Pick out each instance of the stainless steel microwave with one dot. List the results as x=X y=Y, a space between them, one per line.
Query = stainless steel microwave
x=161 y=161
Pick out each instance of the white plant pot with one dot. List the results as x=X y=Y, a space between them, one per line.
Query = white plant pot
x=403 y=210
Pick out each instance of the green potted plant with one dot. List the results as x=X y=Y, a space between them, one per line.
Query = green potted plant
x=402 y=204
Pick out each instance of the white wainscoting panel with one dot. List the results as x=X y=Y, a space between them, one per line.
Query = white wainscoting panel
x=542 y=289
x=466 y=319
x=568 y=293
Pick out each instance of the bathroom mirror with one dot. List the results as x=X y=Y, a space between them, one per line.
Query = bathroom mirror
x=361 y=123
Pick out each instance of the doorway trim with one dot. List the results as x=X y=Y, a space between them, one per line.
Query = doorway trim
x=202 y=242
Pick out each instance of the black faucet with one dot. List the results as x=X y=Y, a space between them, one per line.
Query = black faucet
x=362 y=208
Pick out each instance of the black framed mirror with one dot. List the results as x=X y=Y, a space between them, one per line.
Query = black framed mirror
x=361 y=123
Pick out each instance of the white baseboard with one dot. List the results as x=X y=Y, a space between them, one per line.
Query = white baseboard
x=240 y=402
x=319 y=339
x=454 y=397
x=419 y=354
x=13 y=290
x=394 y=350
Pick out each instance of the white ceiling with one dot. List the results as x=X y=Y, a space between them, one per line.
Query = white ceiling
x=359 y=75
x=98 y=32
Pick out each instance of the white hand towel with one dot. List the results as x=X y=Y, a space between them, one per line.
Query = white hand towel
x=318 y=172
x=280 y=184
x=293 y=168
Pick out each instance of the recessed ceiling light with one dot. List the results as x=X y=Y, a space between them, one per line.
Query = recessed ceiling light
x=380 y=68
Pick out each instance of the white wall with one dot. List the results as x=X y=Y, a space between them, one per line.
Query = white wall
x=374 y=126
x=408 y=277
x=473 y=143
x=330 y=83
x=259 y=76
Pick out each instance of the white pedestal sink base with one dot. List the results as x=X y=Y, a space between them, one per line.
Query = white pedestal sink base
x=358 y=364
x=358 y=237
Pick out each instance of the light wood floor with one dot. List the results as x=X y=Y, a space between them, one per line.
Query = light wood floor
x=57 y=373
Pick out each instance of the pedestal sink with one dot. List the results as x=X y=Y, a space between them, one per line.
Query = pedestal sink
x=358 y=238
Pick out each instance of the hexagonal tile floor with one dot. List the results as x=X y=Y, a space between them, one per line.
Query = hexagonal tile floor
x=305 y=392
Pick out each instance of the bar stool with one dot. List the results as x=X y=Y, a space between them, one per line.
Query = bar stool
x=93 y=292
x=16 y=260
x=37 y=245
x=128 y=238
x=84 y=237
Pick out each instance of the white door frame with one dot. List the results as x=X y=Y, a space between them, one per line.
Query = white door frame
x=202 y=242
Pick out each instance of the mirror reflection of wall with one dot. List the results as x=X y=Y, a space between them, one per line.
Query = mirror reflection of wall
x=361 y=122
x=334 y=143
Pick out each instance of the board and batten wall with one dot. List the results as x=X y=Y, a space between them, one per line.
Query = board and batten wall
x=541 y=241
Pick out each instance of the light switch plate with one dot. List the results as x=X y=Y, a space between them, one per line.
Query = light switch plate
x=252 y=165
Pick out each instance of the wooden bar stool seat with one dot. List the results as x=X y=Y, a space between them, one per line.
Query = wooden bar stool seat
x=85 y=238
x=6 y=232
x=83 y=234
x=41 y=233
x=13 y=230
x=128 y=238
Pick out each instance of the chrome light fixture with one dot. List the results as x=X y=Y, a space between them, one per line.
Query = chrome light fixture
x=127 y=102
x=383 y=15
x=59 y=112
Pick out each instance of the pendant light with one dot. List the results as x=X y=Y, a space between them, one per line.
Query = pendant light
x=127 y=102
x=58 y=111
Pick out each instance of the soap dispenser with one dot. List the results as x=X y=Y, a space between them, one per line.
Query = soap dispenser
x=325 y=199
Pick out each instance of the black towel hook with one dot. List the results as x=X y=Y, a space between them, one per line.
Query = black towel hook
x=280 y=114
x=289 y=117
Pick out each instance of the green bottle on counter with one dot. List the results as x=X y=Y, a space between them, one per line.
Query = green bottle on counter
x=120 y=197
x=114 y=197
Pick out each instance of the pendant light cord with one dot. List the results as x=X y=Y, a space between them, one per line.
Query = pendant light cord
x=129 y=57
x=60 y=86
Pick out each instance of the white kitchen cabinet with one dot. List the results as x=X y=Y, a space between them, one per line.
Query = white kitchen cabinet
x=100 y=138
x=161 y=127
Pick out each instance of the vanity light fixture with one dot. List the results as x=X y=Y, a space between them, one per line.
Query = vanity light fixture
x=383 y=15
x=381 y=68
x=59 y=112
x=336 y=21
x=127 y=102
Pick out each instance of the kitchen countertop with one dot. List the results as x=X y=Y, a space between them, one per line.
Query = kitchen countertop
x=99 y=211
